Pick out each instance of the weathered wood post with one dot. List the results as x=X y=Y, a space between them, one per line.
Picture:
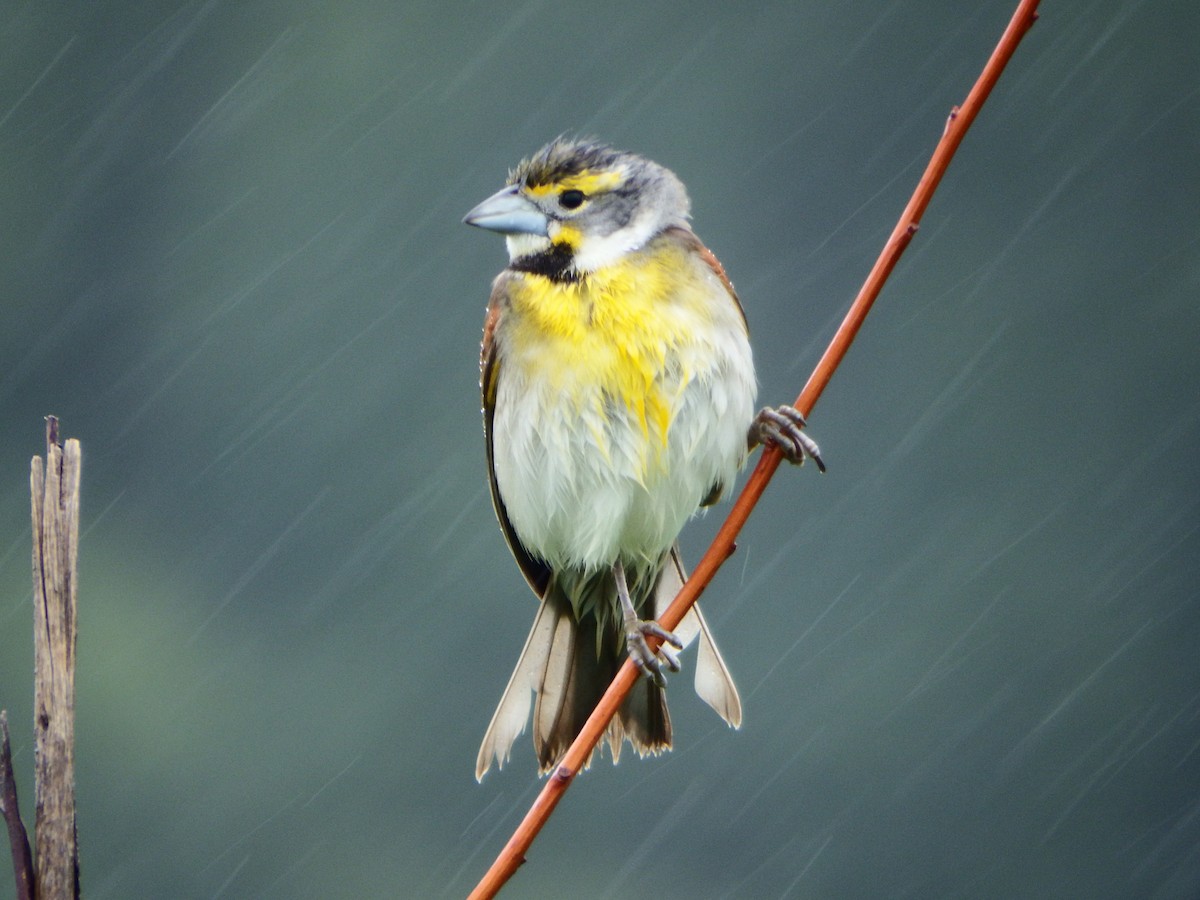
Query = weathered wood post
x=54 y=484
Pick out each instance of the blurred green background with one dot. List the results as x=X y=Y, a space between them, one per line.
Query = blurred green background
x=233 y=265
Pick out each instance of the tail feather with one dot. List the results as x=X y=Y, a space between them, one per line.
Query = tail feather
x=557 y=682
x=645 y=719
x=569 y=659
x=570 y=678
x=714 y=683
x=513 y=712
x=580 y=666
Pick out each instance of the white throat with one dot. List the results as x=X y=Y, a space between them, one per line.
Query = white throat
x=525 y=245
x=598 y=252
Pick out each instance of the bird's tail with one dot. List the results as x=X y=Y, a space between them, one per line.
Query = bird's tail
x=573 y=651
x=568 y=664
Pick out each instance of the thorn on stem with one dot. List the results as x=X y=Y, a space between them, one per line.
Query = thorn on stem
x=563 y=773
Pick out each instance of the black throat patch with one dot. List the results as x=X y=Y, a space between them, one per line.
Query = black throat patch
x=553 y=263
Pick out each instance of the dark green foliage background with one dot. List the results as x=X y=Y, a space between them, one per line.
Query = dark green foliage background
x=232 y=264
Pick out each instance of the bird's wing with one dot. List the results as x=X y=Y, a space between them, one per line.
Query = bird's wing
x=536 y=572
x=688 y=238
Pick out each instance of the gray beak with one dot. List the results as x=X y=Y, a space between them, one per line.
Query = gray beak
x=508 y=213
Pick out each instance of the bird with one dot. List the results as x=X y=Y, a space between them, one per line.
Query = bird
x=618 y=391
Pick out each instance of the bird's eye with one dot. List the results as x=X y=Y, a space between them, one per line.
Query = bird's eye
x=571 y=199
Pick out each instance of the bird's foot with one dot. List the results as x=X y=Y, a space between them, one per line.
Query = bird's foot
x=780 y=426
x=650 y=662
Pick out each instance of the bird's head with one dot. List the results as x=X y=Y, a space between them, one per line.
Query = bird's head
x=577 y=206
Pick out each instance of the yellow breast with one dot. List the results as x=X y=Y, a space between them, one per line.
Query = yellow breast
x=617 y=335
x=620 y=401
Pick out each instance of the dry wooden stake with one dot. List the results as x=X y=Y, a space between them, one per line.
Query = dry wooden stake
x=54 y=485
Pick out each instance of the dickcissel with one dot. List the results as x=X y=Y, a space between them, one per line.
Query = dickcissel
x=618 y=399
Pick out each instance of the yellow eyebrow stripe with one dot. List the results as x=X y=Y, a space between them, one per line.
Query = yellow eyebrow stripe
x=587 y=181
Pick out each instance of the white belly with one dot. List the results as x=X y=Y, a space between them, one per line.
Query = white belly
x=584 y=480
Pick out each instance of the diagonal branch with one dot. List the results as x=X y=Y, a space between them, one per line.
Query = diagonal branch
x=722 y=546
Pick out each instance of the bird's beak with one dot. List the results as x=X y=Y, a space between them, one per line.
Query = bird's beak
x=508 y=213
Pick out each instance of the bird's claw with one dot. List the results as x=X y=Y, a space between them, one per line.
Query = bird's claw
x=780 y=426
x=650 y=662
